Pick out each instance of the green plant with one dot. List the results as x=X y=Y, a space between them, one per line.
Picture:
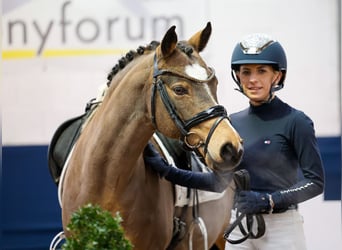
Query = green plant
x=92 y=228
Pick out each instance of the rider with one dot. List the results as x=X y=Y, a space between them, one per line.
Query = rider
x=281 y=151
x=280 y=148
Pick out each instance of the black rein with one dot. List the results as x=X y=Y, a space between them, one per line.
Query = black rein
x=242 y=182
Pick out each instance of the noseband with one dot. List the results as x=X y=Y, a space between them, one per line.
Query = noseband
x=185 y=126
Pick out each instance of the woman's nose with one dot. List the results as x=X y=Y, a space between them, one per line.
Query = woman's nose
x=253 y=78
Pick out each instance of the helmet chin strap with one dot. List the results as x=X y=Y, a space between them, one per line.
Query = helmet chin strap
x=270 y=96
x=237 y=82
x=275 y=87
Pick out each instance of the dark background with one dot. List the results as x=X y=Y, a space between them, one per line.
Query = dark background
x=30 y=212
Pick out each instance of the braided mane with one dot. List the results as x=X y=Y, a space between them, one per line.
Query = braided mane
x=130 y=55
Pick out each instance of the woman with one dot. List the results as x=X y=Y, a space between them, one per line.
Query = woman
x=278 y=141
x=280 y=148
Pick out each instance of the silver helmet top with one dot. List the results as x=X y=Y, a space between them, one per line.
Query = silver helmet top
x=255 y=43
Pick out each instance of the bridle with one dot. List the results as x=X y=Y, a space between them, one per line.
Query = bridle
x=185 y=126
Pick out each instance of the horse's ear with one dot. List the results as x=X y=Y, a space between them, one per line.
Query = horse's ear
x=201 y=38
x=169 y=42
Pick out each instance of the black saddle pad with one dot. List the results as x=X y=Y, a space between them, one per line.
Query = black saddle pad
x=61 y=144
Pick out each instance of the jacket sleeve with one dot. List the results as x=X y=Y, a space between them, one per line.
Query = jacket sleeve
x=306 y=148
x=200 y=177
x=208 y=181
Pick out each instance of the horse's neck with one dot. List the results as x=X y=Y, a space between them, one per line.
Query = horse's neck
x=120 y=128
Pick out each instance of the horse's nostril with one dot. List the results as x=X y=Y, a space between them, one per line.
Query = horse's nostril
x=229 y=153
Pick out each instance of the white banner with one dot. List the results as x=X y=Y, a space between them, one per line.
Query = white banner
x=43 y=26
x=56 y=53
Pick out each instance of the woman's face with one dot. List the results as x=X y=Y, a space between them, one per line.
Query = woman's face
x=256 y=81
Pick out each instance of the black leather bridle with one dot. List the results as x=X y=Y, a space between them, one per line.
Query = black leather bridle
x=185 y=126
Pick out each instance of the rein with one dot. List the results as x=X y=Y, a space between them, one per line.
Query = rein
x=185 y=126
x=242 y=181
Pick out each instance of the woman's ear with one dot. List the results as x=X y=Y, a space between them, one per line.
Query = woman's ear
x=277 y=77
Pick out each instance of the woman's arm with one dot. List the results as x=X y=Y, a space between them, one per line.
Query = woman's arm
x=208 y=181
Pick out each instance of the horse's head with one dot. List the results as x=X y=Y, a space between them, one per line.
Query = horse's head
x=184 y=101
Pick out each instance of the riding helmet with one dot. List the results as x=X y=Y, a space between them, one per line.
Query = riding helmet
x=259 y=49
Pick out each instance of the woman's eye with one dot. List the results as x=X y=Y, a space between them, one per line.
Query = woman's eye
x=178 y=90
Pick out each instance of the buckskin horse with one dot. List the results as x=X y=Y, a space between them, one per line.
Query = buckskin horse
x=166 y=87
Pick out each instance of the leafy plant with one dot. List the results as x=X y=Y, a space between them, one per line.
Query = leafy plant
x=92 y=228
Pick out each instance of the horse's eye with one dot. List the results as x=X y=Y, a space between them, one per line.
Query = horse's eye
x=179 y=90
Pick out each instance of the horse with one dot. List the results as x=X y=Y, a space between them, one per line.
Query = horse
x=166 y=87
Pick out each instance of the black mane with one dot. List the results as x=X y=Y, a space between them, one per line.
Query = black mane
x=130 y=55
